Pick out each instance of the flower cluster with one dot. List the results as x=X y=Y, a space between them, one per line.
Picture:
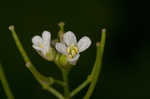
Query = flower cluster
x=71 y=48
x=68 y=47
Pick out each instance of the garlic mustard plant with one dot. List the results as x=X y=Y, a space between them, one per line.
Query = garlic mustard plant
x=64 y=51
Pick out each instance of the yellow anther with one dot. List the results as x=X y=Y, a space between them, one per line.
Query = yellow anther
x=70 y=56
x=76 y=49
x=68 y=49
x=72 y=50
x=41 y=46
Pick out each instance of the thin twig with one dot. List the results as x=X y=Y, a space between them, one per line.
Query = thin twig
x=57 y=94
x=81 y=86
x=5 y=84
x=97 y=66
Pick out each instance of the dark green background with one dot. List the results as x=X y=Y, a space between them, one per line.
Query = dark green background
x=126 y=65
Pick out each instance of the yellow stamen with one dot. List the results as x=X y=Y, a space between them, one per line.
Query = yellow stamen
x=41 y=46
x=76 y=49
x=68 y=49
x=72 y=50
x=70 y=56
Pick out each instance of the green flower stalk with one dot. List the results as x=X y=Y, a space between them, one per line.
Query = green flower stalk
x=5 y=84
x=61 y=32
x=97 y=66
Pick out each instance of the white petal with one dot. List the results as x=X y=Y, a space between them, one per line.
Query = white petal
x=73 y=60
x=46 y=45
x=46 y=36
x=70 y=38
x=36 y=47
x=44 y=51
x=46 y=40
x=84 y=43
x=37 y=40
x=60 y=47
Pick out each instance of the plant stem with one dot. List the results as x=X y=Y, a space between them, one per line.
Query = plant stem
x=80 y=87
x=97 y=66
x=29 y=65
x=55 y=92
x=44 y=81
x=5 y=84
x=59 y=82
x=66 y=86
x=61 y=32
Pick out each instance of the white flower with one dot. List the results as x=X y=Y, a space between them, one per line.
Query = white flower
x=42 y=44
x=72 y=48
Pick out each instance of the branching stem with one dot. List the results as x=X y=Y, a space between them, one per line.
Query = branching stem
x=81 y=86
x=66 y=87
x=97 y=66
x=44 y=81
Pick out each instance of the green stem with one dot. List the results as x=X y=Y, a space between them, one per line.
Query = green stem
x=5 y=84
x=61 y=32
x=29 y=65
x=57 y=94
x=80 y=87
x=59 y=82
x=44 y=81
x=66 y=86
x=39 y=77
x=97 y=66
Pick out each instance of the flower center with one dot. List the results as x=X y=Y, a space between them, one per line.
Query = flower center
x=72 y=50
x=41 y=46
